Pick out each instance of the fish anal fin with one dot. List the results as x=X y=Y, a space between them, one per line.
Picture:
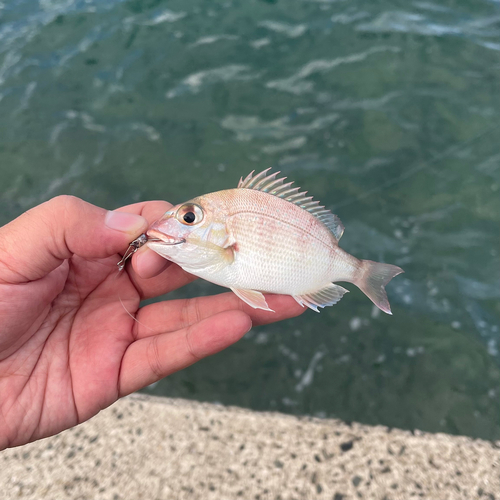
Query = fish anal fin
x=326 y=296
x=252 y=298
x=268 y=183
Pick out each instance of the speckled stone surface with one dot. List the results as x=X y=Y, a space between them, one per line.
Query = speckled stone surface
x=155 y=448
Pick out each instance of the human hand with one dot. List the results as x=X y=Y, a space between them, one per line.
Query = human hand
x=68 y=346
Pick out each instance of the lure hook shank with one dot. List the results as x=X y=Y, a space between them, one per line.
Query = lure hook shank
x=132 y=248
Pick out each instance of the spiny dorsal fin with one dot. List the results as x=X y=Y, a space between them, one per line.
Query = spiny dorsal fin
x=277 y=187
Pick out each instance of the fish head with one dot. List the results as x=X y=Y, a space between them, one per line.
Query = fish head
x=192 y=234
x=177 y=225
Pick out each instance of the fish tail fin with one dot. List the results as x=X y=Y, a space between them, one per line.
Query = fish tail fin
x=372 y=280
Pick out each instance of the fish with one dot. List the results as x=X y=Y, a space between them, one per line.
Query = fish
x=266 y=236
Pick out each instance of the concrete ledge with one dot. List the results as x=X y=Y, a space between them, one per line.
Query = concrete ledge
x=154 y=448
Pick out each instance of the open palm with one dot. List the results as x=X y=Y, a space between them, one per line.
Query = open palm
x=69 y=342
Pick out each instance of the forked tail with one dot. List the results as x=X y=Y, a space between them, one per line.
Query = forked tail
x=372 y=280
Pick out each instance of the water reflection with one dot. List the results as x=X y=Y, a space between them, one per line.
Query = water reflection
x=387 y=113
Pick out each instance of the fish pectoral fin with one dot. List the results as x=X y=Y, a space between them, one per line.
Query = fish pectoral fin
x=230 y=241
x=326 y=296
x=252 y=298
x=228 y=254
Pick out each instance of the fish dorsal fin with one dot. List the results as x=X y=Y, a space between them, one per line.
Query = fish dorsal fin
x=277 y=187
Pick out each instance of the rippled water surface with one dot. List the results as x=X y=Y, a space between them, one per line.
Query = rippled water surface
x=388 y=112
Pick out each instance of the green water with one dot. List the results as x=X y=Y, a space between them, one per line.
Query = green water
x=387 y=112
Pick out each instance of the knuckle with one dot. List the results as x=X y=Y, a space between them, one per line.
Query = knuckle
x=60 y=215
x=196 y=314
x=65 y=202
x=64 y=207
x=191 y=313
x=190 y=349
x=154 y=359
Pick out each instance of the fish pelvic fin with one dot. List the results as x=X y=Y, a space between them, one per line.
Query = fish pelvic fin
x=252 y=298
x=372 y=280
x=326 y=296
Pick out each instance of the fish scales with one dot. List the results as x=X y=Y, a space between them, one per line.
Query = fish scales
x=267 y=236
x=281 y=248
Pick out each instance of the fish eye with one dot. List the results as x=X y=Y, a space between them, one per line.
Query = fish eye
x=189 y=217
x=189 y=214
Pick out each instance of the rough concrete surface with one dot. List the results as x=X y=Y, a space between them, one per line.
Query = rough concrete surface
x=155 y=448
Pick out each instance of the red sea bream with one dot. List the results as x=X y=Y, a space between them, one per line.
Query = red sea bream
x=267 y=237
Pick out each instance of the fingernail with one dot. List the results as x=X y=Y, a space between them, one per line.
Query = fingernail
x=124 y=222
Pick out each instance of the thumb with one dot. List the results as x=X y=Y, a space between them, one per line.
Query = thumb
x=39 y=240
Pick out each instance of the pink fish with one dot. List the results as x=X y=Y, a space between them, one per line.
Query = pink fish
x=266 y=236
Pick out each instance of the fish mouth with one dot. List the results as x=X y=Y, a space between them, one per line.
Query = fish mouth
x=162 y=238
